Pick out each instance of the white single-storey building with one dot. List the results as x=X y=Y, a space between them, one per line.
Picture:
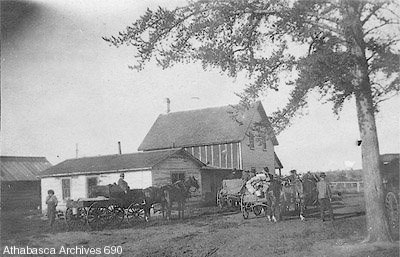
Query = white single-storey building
x=73 y=178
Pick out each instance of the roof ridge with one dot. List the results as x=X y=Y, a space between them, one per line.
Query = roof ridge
x=201 y=109
x=124 y=154
x=22 y=157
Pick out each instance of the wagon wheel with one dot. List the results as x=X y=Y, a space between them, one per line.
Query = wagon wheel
x=75 y=218
x=392 y=209
x=135 y=213
x=116 y=215
x=243 y=208
x=257 y=210
x=98 y=216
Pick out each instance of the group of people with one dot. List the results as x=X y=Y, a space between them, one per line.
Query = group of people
x=259 y=183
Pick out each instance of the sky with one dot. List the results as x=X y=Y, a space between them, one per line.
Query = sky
x=62 y=85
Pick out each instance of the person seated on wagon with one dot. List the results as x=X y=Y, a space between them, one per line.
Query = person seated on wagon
x=122 y=183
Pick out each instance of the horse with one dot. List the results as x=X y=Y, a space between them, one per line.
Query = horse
x=292 y=194
x=154 y=195
x=178 y=192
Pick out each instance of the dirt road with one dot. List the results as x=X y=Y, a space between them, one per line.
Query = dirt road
x=224 y=235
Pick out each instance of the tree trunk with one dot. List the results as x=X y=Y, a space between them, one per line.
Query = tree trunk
x=377 y=224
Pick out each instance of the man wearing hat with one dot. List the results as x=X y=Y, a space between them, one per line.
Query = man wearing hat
x=293 y=176
x=324 y=197
x=122 y=183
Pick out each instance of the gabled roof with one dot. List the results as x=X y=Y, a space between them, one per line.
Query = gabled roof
x=201 y=127
x=114 y=163
x=20 y=168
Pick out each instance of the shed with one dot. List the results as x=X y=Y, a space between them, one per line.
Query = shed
x=20 y=181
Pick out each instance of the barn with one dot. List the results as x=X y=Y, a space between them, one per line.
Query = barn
x=20 y=181
x=226 y=138
x=73 y=178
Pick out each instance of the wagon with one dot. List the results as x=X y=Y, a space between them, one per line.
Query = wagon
x=101 y=211
x=390 y=174
x=230 y=194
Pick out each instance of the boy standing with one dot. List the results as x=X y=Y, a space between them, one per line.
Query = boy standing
x=324 y=197
x=51 y=202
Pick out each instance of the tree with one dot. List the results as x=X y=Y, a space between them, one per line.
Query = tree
x=352 y=52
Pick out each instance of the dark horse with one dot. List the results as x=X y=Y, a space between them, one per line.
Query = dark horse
x=178 y=192
x=154 y=195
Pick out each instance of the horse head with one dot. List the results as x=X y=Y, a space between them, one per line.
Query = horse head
x=192 y=182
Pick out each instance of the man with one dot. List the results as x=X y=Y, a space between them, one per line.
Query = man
x=122 y=183
x=293 y=176
x=269 y=176
x=324 y=197
x=296 y=185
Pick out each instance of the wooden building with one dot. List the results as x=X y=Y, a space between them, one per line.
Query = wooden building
x=20 y=181
x=224 y=138
x=73 y=178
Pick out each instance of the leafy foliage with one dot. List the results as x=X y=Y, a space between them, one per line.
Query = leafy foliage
x=254 y=37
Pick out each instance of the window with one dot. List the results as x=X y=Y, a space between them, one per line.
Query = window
x=229 y=155
x=203 y=154
x=91 y=182
x=264 y=142
x=66 y=188
x=209 y=155
x=196 y=152
x=251 y=141
x=215 y=153
x=223 y=156
x=177 y=176
x=235 y=153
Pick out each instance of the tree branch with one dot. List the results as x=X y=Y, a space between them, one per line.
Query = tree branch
x=373 y=12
